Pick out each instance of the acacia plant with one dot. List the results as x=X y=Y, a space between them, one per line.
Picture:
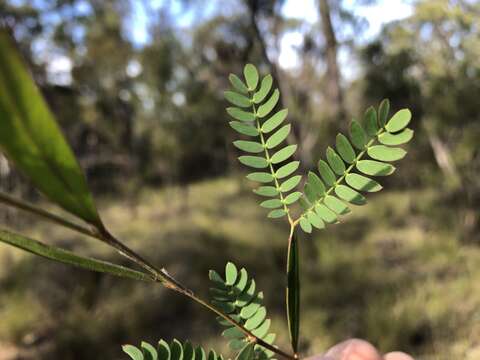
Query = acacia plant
x=32 y=140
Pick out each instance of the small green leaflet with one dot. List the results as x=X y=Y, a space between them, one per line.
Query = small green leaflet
x=383 y=111
x=278 y=136
x=260 y=177
x=335 y=162
x=283 y=154
x=370 y=121
x=241 y=115
x=362 y=183
x=293 y=197
x=274 y=121
x=345 y=149
x=253 y=161
x=237 y=83
x=316 y=183
x=399 y=121
x=396 y=139
x=266 y=108
x=357 y=135
x=265 y=87
x=248 y=146
x=287 y=169
x=375 y=168
x=350 y=195
x=386 y=153
x=244 y=129
x=251 y=76
x=326 y=173
x=290 y=183
x=237 y=99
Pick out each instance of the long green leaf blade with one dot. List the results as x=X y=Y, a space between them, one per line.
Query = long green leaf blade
x=32 y=140
x=293 y=292
x=67 y=257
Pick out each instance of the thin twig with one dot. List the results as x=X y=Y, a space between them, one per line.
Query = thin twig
x=159 y=275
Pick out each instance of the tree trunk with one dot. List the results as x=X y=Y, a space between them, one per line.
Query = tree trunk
x=334 y=90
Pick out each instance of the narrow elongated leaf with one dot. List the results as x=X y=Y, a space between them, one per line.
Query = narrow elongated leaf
x=335 y=161
x=271 y=204
x=316 y=183
x=237 y=99
x=357 y=135
x=67 y=257
x=345 y=149
x=326 y=173
x=199 y=354
x=251 y=76
x=336 y=205
x=399 y=121
x=269 y=191
x=188 y=351
x=283 y=154
x=383 y=111
x=293 y=291
x=274 y=121
x=287 y=169
x=238 y=84
x=248 y=146
x=244 y=129
x=293 y=197
x=260 y=177
x=132 y=351
x=266 y=108
x=370 y=120
x=32 y=140
x=396 y=139
x=253 y=161
x=278 y=136
x=290 y=183
x=386 y=153
x=350 y=195
x=239 y=114
x=176 y=350
x=362 y=183
x=375 y=168
x=264 y=89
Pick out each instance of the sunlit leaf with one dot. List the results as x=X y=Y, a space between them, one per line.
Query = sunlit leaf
x=357 y=135
x=265 y=87
x=336 y=205
x=237 y=83
x=370 y=121
x=293 y=197
x=287 y=169
x=32 y=140
x=237 y=99
x=248 y=146
x=266 y=108
x=348 y=194
x=305 y=225
x=231 y=273
x=399 y=121
x=325 y=213
x=283 y=154
x=133 y=352
x=396 y=139
x=253 y=161
x=260 y=177
x=345 y=149
x=362 y=183
x=316 y=183
x=383 y=111
x=271 y=204
x=239 y=114
x=278 y=136
x=386 y=153
x=290 y=183
x=244 y=129
x=251 y=76
x=269 y=191
x=375 y=168
x=277 y=213
x=274 y=121
x=326 y=173
x=335 y=162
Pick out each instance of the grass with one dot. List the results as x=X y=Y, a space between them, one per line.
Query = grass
x=395 y=273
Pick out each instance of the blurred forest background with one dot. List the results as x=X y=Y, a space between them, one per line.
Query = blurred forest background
x=137 y=86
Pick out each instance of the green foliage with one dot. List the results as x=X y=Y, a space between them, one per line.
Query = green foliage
x=293 y=291
x=173 y=351
x=31 y=138
x=259 y=121
x=237 y=296
x=327 y=196
x=67 y=257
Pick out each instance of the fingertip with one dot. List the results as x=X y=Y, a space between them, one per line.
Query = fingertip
x=354 y=349
x=397 y=355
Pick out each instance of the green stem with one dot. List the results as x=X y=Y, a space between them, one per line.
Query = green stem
x=341 y=178
x=272 y=171
x=158 y=275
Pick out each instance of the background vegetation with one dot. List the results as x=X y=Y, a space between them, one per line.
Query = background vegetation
x=145 y=115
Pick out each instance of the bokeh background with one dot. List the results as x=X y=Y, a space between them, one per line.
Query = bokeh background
x=137 y=86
